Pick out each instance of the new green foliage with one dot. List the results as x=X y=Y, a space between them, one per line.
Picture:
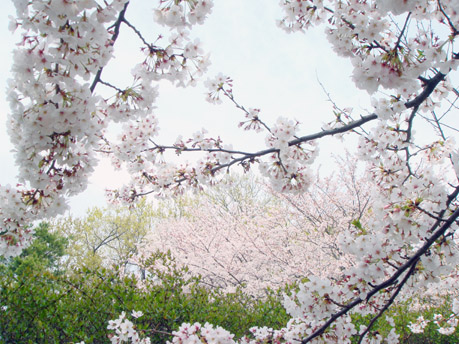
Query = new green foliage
x=45 y=252
x=41 y=307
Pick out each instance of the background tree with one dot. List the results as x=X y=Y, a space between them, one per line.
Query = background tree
x=243 y=234
x=41 y=307
x=45 y=253
x=105 y=236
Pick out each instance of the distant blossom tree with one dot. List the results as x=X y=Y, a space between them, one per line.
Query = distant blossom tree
x=403 y=53
x=243 y=234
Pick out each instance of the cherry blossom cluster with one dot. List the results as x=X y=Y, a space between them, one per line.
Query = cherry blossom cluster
x=197 y=333
x=446 y=325
x=301 y=15
x=419 y=325
x=125 y=331
x=207 y=333
x=57 y=120
x=183 y=13
x=287 y=167
x=411 y=197
x=216 y=86
x=186 y=67
x=15 y=234
x=181 y=62
x=246 y=235
x=383 y=53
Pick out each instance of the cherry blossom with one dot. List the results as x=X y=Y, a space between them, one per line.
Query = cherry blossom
x=244 y=234
x=125 y=331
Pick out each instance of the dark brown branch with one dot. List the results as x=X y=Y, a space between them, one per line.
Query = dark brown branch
x=302 y=139
x=137 y=32
x=437 y=125
x=402 y=32
x=252 y=156
x=391 y=300
x=429 y=87
x=330 y=132
x=198 y=149
x=230 y=96
x=392 y=280
x=111 y=86
x=453 y=28
x=115 y=35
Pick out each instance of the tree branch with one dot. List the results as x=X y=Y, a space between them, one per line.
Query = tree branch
x=429 y=87
x=392 y=280
x=115 y=35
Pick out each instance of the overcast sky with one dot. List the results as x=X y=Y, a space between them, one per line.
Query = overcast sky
x=272 y=70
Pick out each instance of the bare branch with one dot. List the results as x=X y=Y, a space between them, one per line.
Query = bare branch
x=115 y=35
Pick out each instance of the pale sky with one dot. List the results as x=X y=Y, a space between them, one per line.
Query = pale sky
x=272 y=70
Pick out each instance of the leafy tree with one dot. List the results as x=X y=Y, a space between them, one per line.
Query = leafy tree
x=45 y=252
x=105 y=236
x=41 y=307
